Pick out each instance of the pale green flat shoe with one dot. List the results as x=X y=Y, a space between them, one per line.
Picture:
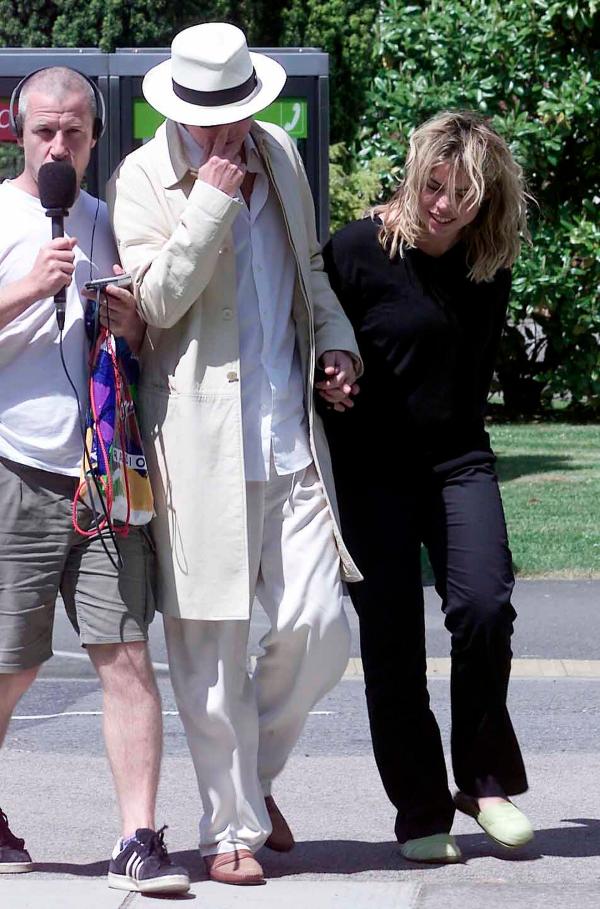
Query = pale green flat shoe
x=436 y=849
x=503 y=823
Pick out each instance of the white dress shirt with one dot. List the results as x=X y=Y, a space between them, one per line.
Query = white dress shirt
x=273 y=414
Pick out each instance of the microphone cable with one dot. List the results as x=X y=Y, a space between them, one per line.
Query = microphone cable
x=101 y=522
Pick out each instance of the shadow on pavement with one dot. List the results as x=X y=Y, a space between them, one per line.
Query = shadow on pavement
x=582 y=841
x=353 y=856
x=93 y=869
x=171 y=897
x=346 y=857
x=96 y=870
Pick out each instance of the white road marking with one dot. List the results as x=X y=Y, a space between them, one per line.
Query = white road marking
x=55 y=716
x=69 y=655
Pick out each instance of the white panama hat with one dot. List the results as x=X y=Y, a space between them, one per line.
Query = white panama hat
x=212 y=78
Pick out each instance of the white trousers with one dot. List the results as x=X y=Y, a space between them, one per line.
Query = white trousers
x=241 y=729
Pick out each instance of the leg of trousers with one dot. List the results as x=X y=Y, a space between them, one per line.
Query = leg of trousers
x=381 y=526
x=240 y=730
x=306 y=650
x=460 y=517
x=468 y=548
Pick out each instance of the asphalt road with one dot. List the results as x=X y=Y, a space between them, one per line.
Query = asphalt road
x=559 y=716
x=56 y=785
x=556 y=620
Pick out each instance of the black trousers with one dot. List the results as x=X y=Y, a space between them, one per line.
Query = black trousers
x=457 y=512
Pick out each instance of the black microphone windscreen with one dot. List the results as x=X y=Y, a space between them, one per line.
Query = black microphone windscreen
x=57 y=183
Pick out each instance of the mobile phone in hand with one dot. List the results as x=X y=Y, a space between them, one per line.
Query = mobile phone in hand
x=102 y=283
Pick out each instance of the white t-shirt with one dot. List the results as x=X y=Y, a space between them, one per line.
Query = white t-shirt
x=39 y=420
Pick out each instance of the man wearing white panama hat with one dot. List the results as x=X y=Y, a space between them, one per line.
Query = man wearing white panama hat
x=215 y=220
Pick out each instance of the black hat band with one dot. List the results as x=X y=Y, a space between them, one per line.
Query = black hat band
x=216 y=99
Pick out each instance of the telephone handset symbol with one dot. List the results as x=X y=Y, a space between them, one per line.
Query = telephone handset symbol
x=296 y=114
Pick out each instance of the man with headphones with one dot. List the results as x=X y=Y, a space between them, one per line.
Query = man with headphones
x=43 y=379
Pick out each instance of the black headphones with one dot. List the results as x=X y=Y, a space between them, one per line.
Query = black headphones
x=16 y=122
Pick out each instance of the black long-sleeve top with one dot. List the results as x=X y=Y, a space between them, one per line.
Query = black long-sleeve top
x=428 y=337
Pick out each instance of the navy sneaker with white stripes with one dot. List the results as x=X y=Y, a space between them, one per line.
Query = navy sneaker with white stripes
x=14 y=858
x=144 y=865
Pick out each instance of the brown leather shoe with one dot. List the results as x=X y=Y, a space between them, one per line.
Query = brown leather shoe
x=282 y=838
x=237 y=867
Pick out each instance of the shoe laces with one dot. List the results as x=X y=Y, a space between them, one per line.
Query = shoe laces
x=156 y=844
x=7 y=837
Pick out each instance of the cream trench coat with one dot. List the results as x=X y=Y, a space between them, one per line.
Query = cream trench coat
x=174 y=236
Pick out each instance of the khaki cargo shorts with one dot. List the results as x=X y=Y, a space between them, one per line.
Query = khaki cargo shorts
x=41 y=554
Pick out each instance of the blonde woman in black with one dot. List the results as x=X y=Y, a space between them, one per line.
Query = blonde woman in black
x=425 y=281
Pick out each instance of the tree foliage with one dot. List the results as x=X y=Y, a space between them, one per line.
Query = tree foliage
x=128 y=23
x=352 y=187
x=26 y=23
x=345 y=29
x=532 y=66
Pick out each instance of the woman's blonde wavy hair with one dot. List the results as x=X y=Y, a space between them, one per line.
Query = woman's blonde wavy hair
x=465 y=141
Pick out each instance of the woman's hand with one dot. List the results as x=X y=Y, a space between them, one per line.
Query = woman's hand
x=339 y=385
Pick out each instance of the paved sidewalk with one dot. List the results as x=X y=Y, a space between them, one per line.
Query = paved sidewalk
x=346 y=857
x=277 y=895
x=56 y=788
x=307 y=895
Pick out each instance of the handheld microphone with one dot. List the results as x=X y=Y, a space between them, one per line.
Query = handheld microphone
x=57 y=184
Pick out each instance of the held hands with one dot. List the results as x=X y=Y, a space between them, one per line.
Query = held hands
x=339 y=384
x=224 y=168
x=118 y=312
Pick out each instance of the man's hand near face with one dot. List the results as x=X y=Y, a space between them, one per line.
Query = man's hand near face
x=224 y=168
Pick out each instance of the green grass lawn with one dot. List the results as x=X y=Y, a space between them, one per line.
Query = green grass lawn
x=550 y=481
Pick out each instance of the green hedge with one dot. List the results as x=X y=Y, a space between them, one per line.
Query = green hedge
x=128 y=23
x=533 y=68
x=344 y=28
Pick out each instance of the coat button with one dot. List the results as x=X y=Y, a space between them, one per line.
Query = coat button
x=227 y=314
x=232 y=377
